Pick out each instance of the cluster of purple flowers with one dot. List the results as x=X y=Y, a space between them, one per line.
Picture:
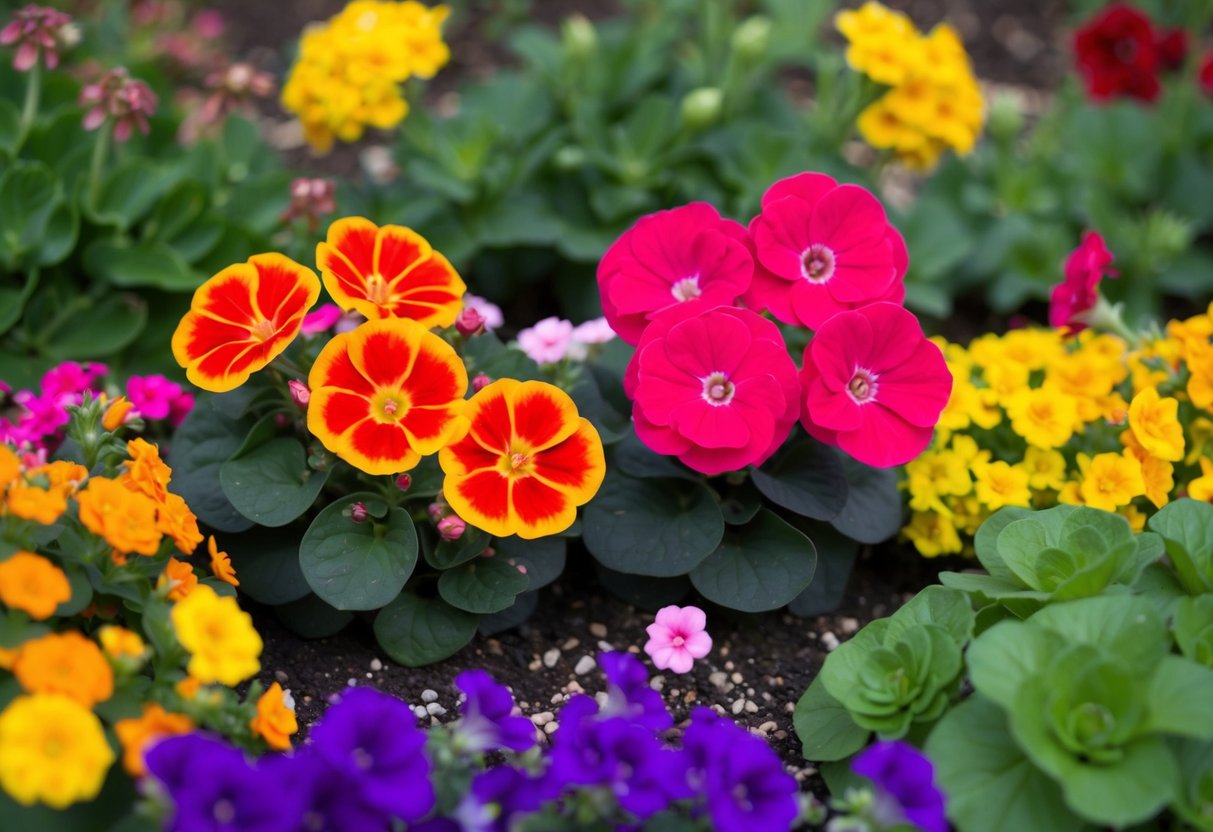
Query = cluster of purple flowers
x=368 y=765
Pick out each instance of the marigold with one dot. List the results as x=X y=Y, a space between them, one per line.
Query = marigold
x=221 y=564
x=31 y=583
x=137 y=734
x=66 y=663
x=145 y=470
x=526 y=463
x=1155 y=424
x=10 y=466
x=385 y=394
x=52 y=750
x=388 y=272
x=1110 y=480
x=220 y=637
x=179 y=577
x=174 y=518
x=275 y=720
x=125 y=518
x=1000 y=484
x=242 y=319
x=41 y=505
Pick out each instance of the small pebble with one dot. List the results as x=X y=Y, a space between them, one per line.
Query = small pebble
x=719 y=679
x=370 y=675
x=781 y=734
x=848 y=625
x=767 y=727
x=551 y=657
x=429 y=695
x=657 y=682
x=550 y=728
x=606 y=647
x=737 y=678
x=571 y=644
x=584 y=665
x=790 y=707
x=574 y=686
x=376 y=665
x=750 y=707
x=557 y=698
x=420 y=711
x=535 y=665
x=598 y=630
x=281 y=676
x=543 y=718
x=690 y=697
x=738 y=705
x=434 y=709
x=351 y=682
x=728 y=665
x=829 y=640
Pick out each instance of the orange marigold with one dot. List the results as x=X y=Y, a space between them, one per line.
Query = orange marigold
x=145 y=471
x=66 y=663
x=10 y=465
x=174 y=518
x=275 y=720
x=32 y=583
x=119 y=642
x=115 y=413
x=179 y=577
x=125 y=518
x=137 y=733
x=221 y=564
x=41 y=505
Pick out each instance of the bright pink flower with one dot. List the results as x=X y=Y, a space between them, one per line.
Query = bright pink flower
x=677 y=638
x=670 y=257
x=180 y=408
x=38 y=30
x=547 y=341
x=321 y=319
x=451 y=527
x=713 y=386
x=873 y=384
x=823 y=248
x=153 y=396
x=67 y=381
x=1077 y=294
x=489 y=311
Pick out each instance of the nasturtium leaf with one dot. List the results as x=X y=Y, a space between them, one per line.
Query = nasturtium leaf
x=649 y=594
x=358 y=566
x=807 y=478
x=759 y=567
x=1186 y=527
x=151 y=264
x=267 y=564
x=311 y=617
x=445 y=554
x=543 y=558
x=835 y=559
x=201 y=444
x=824 y=726
x=873 y=508
x=522 y=608
x=272 y=484
x=633 y=457
x=417 y=631
x=659 y=528
x=482 y=585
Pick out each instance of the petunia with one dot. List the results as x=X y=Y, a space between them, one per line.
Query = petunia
x=629 y=694
x=904 y=782
x=242 y=319
x=527 y=462
x=489 y=723
x=823 y=248
x=873 y=385
x=1071 y=301
x=677 y=637
x=388 y=272
x=386 y=394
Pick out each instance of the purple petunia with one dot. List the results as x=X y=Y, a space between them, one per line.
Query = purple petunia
x=629 y=694
x=331 y=799
x=904 y=782
x=488 y=722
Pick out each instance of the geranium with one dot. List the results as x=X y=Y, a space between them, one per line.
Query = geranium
x=52 y=750
x=118 y=98
x=904 y=782
x=713 y=386
x=220 y=637
x=668 y=258
x=388 y=272
x=823 y=248
x=386 y=394
x=527 y=462
x=275 y=720
x=874 y=385
x=31 y=583
x=677 y=637
x=1073 y=299
x=242 y=319
x=65 y=663
x=1117 y=54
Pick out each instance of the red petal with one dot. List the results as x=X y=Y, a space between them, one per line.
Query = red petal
x=542 y=416
x=487 y=494
x=341 y=411
x=381 y=442
x=535 y=503
x=398 y=250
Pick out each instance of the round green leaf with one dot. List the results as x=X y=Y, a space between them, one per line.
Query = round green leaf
x=633 y=457
x=310 y=617
x=759 y=567
x=522 y=608
x=29 y=192
x=483 y=585
x=740 y=503
x=659 y=528
x=417 y=631
x=873 y=509
x=807 y=478
x=649 y=594
x=446 y=554
x=835 y=559
x=267 y=565
x=200 y=446
x=358 y=566
x=272 y=484
x=543 y=558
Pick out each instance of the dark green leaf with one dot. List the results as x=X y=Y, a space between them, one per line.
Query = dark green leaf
x=740 y=503
x=873 y=509
x=12 y=303
x=835 y=559
x=543 y=558
x=148 y=264
x=482 y=585
x=449 y=553
x=806 y=477
x=418 y=631
x=100 y=330
x=202 y=443
x=522 y=608
x=267 y=565
x=649 y=594
x=311 y=617
x=634 y=458
x=759 y=567
x=58 y=237
x=272 y=484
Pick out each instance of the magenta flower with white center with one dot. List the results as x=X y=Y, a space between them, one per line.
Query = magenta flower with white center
x=677 y=638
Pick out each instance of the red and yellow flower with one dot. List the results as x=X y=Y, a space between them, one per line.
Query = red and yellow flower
x=242 y=319
x=527 y=461
x=388 y=272
x=386 y=394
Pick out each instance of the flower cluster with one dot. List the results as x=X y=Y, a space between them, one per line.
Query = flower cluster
x=119 y=99
x=1043 y=416
x=350 y=69
x=368 y=764
x=711 y=380
x=934 y=102
x=1121 y=53
x=518 y=458
x=39 y=32
x=552 y=340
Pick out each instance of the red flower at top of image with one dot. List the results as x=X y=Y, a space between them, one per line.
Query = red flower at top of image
x=1120 y=53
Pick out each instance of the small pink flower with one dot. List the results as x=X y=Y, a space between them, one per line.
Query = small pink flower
x=180 y=408
x=713 y=386
x=153 y=396
x=548 y=341
x=300 y=394
x=67 y=381
x=208 y=24
x=38 y=31
x=117 y=96
x=597 y=331
x=489 y=311
x=480 y=381
x=312 y=200
x=321 y=319
x=469 y=322
x=671 y=257
x=677 y=638
x=451 y=527
x=1077 y=294
x=873 y=384
x=823 y=248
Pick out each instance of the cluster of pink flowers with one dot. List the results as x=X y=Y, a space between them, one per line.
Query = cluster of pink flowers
x=552 y=340
x=712 y=381
x=38 y=32
x=116 y=95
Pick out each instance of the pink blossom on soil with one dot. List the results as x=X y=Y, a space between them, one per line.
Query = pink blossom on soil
x=677 y=638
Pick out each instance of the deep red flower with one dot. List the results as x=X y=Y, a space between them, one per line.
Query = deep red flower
x=1206 y=74
x=1172 y=46
x=1118 y=54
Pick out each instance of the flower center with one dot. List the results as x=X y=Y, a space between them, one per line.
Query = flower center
x=224 y=811
x=862 y=386
x=377 y=290
x=515 y=463
x=717 y=389
x=686 y=289
x=678 y=641
x=363 y=759
x=817 y=263
x=263 y=330
x=389 y=406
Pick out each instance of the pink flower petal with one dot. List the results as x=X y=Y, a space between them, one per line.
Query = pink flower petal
x=809 y=187
x=885 y=439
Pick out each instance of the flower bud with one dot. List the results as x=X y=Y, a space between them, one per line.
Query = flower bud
x=404 y=482
x=751 y=38
x=701 y=107
x=470 y=322
x=1005 y=120
x=579 y=37
x=358 y=513
x=300 y=394
x=451 y=528
x=480 y=381
x=436 y=511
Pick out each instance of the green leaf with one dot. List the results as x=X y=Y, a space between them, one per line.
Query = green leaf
x=1179 y=697
x=446 y=554
x=1193 y=628
x=482 y=585
x=272 y=484
x=98 y=331
x=835 y=559
x=267 y=565
x=991 y=785
x=740 y=503
x=148 y=264
x=759 y=567
x=109 y=808
x=1125 y=626
x=946 y=608
x=1186 y=527
x=29 y=192
x=612 y=425
x=417 y=631
x=807 y=478
x=659 y=528
x=650 y=594
x=12 y=302
x=200 y=446
x=128 y=192
x=358 y=566
x=824 y=726
x=1007 y=654
x=985 y=542
x=10 y=125
x=311 y=617
x=634 y=458
x=872 y=512
x=543 y=558
x=58 y=237
x=522 y=609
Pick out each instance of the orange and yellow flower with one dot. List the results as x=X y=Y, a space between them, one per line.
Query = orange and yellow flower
x=66 y=663
x=125 y=518
x=31 y=583
x=527 y=462
x=242 y=319
x=137 y=733
x=275 y=720
x=386 y=394
x=221 y=564
x=388 y=272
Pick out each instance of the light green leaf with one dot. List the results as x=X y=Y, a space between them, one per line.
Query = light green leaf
x=1186 y=527
x=824 y=726
x=1180 y=698
x=1006 y=655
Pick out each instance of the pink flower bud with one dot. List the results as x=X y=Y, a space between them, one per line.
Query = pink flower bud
x=469 y=323
x=436 y=511
x=488 y=552
x=480 y=381
x=404 y=482
x=451 y=528
x=521 y=567
x=358 y=513
x=300 y=395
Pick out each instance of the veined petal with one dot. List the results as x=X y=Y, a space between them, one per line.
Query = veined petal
x=466 y=455
x=380 y=448
x=334 y=368
x=285 y=289
x=332 y=413
x=384 y=350
x=398 y=250
x=543 y=415
x=431 y=292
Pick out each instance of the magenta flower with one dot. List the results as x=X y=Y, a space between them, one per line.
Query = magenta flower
x=153 y=396
x=713 y=386
x=823 y=248
x=38 y=31
x=677 y=638
x=1077 y=294
x=488 y=311
x=670 y=257
x=873 y=384
x=117 y=96
x=321 y=319
x=547 y=341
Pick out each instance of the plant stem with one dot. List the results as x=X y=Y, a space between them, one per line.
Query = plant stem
x=29 y=110
x=100 y=153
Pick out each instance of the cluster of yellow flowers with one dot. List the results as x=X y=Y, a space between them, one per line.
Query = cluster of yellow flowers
x=934 y=102
x=1035 y=420
x=350 y=69
x=53 y=747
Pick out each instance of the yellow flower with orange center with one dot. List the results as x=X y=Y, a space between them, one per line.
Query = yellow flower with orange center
x=1000 y=484
x=223 y=645
x=1155 y=424
x=31 y=583
x=385 y=395
x=137 y=733
x=66 y=663
x=221 y=564
x=527 y=461
x=179 y=577
x=1110 y=480
x=52 y=751
x=1044 y=418
x=275 y=720
x=125 y=518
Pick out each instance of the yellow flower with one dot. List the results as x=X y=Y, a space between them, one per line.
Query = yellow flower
x=275 y=720
x=137 y=733
x=1046 y=468
x=1084 y=377
x=1135 y=516
x=52 y=750
x=221 y=564
x=1200 y=431
x=1032 y=348
x=967 y=514
x=1200 y=378
x=119 y=642
x=1006 y=378
x=1158 y=474
x=31 y=583
x=1044 y=418
x=883 y=44
x=883 y=127
x=932 y=534
x=219 y=635
x=1155 y=423
x=938 y=473
x=1000 y=484
x=1201 y=488
x=66 y=663
x=1110 y=480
